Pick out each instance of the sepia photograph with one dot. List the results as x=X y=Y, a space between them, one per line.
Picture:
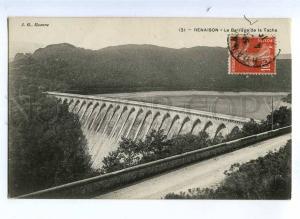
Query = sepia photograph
x=149 y=108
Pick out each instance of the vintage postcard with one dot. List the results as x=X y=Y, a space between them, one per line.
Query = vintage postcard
x=149 y=108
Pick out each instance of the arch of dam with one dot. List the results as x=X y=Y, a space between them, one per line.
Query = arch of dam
x=105 y=120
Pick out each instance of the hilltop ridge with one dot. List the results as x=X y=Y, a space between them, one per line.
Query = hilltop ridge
x=125 y=68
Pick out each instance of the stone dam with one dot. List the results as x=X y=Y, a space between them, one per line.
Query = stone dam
x=105 y=120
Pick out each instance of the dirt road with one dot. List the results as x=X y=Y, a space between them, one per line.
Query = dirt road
x=203 y=174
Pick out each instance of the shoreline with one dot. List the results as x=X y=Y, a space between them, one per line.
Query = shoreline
x=189 y=93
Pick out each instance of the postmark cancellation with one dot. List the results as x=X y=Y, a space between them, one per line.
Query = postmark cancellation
x=251 y=54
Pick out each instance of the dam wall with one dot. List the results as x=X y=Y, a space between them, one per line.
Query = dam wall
x=105 y=121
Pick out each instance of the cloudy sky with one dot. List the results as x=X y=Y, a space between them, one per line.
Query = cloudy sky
x=97 y=33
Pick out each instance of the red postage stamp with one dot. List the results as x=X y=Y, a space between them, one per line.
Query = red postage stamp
x=251 y=55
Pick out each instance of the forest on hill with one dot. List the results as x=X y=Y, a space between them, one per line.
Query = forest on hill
x=126 y=68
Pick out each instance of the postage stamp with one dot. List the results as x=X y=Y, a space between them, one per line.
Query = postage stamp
x=249 y=54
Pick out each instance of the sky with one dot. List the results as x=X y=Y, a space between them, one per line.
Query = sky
x=96 y=33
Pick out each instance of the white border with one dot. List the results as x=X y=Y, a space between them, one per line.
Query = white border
x=146 y=208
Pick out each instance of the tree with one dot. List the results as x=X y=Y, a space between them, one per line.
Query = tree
x=46 y=145
x=127 y=154
x=251 y=128
x=189 y=142
x=155 y=146
x=281 y=117
x=287 y=99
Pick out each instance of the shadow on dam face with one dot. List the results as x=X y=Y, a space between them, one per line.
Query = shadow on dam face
x=104 y=121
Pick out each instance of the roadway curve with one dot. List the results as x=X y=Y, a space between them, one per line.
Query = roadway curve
x=203 y=174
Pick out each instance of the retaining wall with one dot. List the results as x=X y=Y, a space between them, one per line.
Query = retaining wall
x=101 y=184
